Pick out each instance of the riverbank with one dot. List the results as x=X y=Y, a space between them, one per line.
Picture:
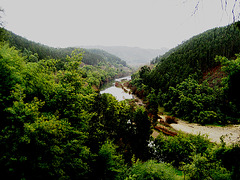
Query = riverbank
x=118 y=92
x=124 y=85
x=230 y=133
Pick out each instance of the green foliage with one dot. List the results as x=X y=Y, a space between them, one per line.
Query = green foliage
x=144 y=73
x=45 y=116
x=11 y=66
x=142 y=131
x=203 y=167
x=40 y=135
x=197 y=157
x=98 y=75
x=91 y=56
x=178 y=78
x=179 y=148
x=74 y=61
x=229 y=156
x=60 y=151
x=120 y=122
x=105 y=66
x=30 y=56
x=109 y=163
x=150 y=170
x=110 y=120
x=192 y=101
x=4 y=34
x=108 y=57
x=52 y=118
x=199 y=51
x=231 y=87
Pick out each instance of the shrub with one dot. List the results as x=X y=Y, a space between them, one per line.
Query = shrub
x=150 y=170
x=203 y=168
x=179 y=148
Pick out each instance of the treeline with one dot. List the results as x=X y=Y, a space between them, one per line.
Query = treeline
x=91 y=57
x=191 y=83
x=196 y=55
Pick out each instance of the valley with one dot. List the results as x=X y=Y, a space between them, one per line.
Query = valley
x=174 y=115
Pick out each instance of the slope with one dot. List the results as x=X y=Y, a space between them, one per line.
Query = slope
x=91 y=57
x=193 y=81
x=195 y=56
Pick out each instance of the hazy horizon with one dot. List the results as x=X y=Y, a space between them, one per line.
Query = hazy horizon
x=148 y=24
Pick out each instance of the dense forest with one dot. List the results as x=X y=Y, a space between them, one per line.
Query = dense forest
x=98 y=66
x=91 y=56
x=197 y=80
x=56 y=125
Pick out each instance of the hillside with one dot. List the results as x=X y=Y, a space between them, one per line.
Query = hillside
x=134 y=56
x=197 y=80
x=97 y=66
x=197 y=55
x=91 y=57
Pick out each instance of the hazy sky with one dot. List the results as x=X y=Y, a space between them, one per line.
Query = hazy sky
x=137 y=23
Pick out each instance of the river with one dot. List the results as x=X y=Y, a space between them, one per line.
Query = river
x=118 y=92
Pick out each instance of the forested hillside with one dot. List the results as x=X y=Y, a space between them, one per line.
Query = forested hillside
x=98 y=66
x=192 y=83
x=91 y=57
x=196 y=55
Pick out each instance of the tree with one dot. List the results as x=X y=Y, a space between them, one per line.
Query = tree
x=143 y=73
x=150 y=170
x=11 y=67
x=141 y=131
x=204 y=167
x=42 y=134
x=179 y=148
x=109 y=162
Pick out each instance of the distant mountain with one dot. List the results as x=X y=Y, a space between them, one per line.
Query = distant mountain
x=134 y=56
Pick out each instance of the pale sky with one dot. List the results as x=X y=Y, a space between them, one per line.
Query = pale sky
x=136 y=23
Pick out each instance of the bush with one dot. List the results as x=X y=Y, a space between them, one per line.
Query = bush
x=150 y=170
x=229 y=156
x=192 y=101
x=179 y=148
x=206 y=117
x=109 y=163
x=203 y=168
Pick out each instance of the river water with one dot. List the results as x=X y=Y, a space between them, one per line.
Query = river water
x=118 y=92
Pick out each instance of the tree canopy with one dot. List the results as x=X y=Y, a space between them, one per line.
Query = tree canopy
x=189 y=81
